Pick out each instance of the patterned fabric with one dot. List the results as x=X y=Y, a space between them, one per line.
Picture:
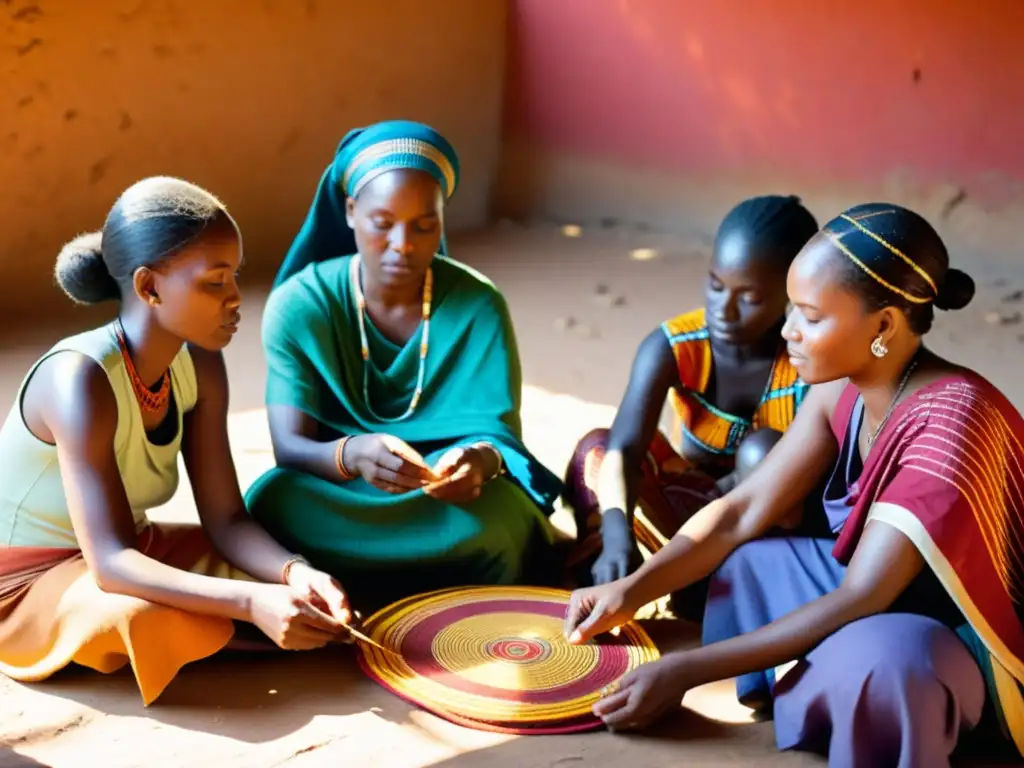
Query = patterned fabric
x=711 y=428
x=947 y=471
x=671 y=490
x=672 y=486
x=362 y=155
x=890 y=689
x=52 y=613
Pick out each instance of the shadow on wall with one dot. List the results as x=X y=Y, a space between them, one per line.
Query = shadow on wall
x=247 y=99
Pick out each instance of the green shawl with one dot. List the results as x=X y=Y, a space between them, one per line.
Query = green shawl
x=473 y=384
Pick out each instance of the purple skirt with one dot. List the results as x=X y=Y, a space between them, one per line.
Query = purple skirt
x=894 y=689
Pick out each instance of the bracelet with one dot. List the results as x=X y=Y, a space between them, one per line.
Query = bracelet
x=286 y=569
x=339 y=459
x=501 y=461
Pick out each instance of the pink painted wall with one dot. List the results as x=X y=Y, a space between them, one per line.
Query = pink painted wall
x=789 y=88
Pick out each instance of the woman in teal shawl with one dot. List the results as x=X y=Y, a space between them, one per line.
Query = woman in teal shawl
x=394 y=389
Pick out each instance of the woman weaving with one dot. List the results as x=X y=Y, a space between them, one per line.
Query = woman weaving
x=725 y=371
x=394 y=386
x=901 y=600
x=93 y=441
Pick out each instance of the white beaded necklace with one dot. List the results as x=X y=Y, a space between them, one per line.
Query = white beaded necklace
x=357 y=293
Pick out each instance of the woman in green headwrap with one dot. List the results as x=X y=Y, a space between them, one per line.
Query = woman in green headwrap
x=394 y=388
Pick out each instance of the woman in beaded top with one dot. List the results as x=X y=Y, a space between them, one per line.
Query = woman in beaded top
x=723 y=368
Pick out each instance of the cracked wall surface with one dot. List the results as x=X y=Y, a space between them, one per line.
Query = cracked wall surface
x=246 y=97
x=667 y=111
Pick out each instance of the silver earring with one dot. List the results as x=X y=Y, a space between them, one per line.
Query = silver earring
x=878 y=348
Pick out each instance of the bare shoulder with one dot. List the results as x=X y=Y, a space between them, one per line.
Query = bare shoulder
x=822 y=399
x=656 y=343
x=71 y=395
x=654 y=352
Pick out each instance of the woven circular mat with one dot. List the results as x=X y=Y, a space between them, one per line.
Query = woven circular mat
x=495 y=658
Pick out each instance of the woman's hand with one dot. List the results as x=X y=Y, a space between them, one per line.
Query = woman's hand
x=289 y=619
x=619 y=553
x=322 y=590
x=646 y=694
x=596 y=610
x=387 y=463
x=462 y=472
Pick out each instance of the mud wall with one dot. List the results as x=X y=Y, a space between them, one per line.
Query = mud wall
x=670 y=109
x=245 y=97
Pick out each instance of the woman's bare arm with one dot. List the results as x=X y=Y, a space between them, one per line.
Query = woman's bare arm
x=654 y=371
x=299 y=444
x=382 y=460
x=211 y=469
x=785 y=477
x=884 y=565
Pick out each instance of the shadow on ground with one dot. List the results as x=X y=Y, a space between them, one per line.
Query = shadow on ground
x=249 y=697
x=11 y=759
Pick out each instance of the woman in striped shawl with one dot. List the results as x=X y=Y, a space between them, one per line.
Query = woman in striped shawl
x=888 y=626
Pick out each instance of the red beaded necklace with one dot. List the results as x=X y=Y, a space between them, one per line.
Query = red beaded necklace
x=149 y=401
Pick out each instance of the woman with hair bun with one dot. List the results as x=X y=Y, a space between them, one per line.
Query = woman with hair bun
x=92 y=441
x=889 y=624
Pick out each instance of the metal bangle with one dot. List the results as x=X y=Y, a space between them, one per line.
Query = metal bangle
x=497 y=454
x=339 y=459
x=286 y=569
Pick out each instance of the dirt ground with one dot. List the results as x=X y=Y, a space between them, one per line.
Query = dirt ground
x=581 y=304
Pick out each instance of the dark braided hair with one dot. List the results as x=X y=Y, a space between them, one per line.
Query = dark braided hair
x=151 y=221
x=777 y=225
x=892 y=257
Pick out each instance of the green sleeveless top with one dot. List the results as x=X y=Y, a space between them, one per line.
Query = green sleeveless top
x=33 y=507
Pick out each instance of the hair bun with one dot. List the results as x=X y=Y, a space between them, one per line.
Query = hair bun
x=956 y=291
x=82 y=273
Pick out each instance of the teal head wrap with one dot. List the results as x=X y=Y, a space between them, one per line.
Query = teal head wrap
x=362 y=155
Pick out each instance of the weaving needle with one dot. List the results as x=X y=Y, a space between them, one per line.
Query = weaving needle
x=363 y=638
x=357 y=634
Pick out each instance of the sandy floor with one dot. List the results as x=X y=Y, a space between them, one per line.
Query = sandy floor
x=581 y=305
